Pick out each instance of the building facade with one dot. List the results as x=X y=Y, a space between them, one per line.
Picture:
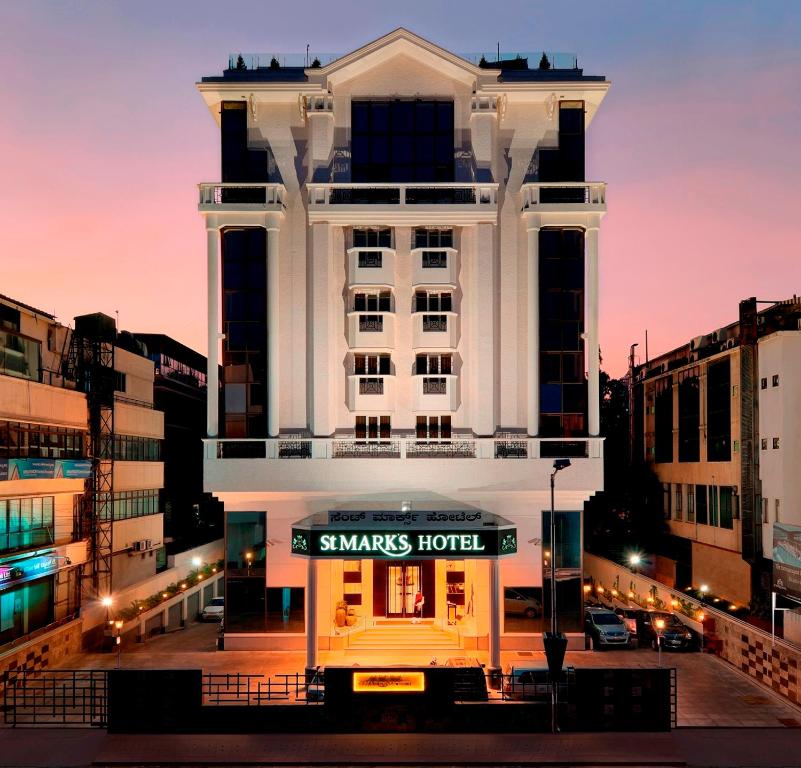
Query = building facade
x=79 y=513
x=403 y=297
x=714 y=418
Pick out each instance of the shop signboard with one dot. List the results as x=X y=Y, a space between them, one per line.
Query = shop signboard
x=45 y=469
x=425 y=543
x=25 y=570
x=787 y=560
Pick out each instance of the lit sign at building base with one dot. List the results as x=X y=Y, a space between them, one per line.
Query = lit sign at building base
x=389 y=682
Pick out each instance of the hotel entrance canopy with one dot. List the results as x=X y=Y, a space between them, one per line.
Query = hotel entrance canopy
x=410 y=535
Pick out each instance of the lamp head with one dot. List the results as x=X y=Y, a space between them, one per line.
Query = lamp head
x=106 y=601
x=561 y=464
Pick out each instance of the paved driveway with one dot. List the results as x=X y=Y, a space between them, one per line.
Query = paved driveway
x=710 y=691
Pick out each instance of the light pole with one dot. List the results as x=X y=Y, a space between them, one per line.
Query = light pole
x=118 y=640
x=660 y=626
x=555 y=645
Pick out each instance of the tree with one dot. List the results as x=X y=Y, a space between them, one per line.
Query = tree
x=274 y=64
x=544 y=63
x=240 y=62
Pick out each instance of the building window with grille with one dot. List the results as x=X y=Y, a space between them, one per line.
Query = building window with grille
x=435 y=259
x=433 y=238
x=372 y=237
x=371 y=259
x=373 y=428
x=435 y=323
x=690 y=504
x=435 y=363
x=371 y=364
x=371 y=323
x=677 y=506
x=375 y=301
x=433 y=301
x=433 y=428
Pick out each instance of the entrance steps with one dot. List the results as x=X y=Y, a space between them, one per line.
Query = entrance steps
x=403 y=636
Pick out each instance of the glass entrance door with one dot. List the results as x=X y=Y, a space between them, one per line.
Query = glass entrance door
x=404 y=583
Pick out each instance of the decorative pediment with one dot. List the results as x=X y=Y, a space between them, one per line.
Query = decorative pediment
x=399 y=42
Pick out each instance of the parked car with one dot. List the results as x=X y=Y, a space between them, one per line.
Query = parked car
x=606 y=628
x=526 y=684
x=214 y=610
x=629 y=616
x=315 y=688
x=665 y=628
x=518 y=604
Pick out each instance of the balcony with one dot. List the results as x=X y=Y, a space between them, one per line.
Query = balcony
x=435 y=330
x=337 y=464
x=371 y=392
x=564 y=196
x=371 y=330
x=241 y=198
x=435 y=392
x=371 y=266
x=435 y=267
x=399 y=204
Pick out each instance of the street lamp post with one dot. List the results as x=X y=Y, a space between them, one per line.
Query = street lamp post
x=118 y=640
x=555 y=645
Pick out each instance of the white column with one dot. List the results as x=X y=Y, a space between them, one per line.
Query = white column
x=212 y=376
x=495 y=614
x=311 y=614
x=321 y=322
x=533 y=420
x=273 y=371
x=591 y=330
x=483 y=325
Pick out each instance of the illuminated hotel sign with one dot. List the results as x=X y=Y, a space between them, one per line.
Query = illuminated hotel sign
x=412 y=544
x=389 y=682
x=28 y=569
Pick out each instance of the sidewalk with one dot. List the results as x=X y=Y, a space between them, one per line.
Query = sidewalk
x=696 y=747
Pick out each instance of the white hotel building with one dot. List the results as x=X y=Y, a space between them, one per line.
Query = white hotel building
x=403 y=299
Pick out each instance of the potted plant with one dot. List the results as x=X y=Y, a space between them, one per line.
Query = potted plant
x=341 y=613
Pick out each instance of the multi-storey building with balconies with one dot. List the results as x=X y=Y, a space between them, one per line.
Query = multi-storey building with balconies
x=715 y=419
x=403 y=294
x=79 y=512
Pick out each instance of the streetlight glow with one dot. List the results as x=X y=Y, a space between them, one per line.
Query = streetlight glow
x=106 y=601
x=197 y=562
x=634 y=559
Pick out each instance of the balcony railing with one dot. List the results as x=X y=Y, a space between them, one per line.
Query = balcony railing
x=371 y=386
x=393 y=447
x=435 y=323
x=565 y=193
x=371 y=323
x=446 y=193
x=269 y=196
x=435 y=386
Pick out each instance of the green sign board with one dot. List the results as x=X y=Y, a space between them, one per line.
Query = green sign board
x=420 y=544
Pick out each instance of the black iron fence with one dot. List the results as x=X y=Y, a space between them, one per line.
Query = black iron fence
x=67 y=697
x=253 y=690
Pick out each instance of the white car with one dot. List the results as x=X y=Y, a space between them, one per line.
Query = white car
x=214 y=610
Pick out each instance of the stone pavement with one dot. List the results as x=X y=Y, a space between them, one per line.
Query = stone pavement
x=710 y=691
x=695 y=748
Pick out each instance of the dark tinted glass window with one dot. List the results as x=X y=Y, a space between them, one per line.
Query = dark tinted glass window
x=663 y=420
x=402 y=141
x=689 y=418
x=718 y=408
x=563 y=393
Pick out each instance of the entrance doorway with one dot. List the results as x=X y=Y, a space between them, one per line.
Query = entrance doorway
x=404 y=582
x=396 y=584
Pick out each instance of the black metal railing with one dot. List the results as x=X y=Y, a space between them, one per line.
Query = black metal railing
x=370 y=259
x=440 y=195
x=575 y=195
x=511 y=449
x=365 y=196
x=294 y=449
x=65 y=697
x=456 y=449
x=238 y=689
x=241 y=449
x=435 y=386
x=356 y=449
x=369 y=386
x=371 y=323
x=246 y=195
x=435 y=323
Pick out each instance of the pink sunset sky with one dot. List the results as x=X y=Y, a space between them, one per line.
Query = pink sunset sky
x=104 y=139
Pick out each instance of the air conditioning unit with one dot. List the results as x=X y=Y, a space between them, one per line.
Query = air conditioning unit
x=141 y=546
x=148 y=543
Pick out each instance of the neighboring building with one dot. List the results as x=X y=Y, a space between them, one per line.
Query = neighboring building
x=79 y=478
x=43 y=466
x=715 y=419
x=405 y=251
x=191 y=517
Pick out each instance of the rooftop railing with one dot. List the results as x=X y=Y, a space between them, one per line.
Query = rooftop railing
x=403 y=447
x=234 y=194
x=446 y=193
x=563 y=193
